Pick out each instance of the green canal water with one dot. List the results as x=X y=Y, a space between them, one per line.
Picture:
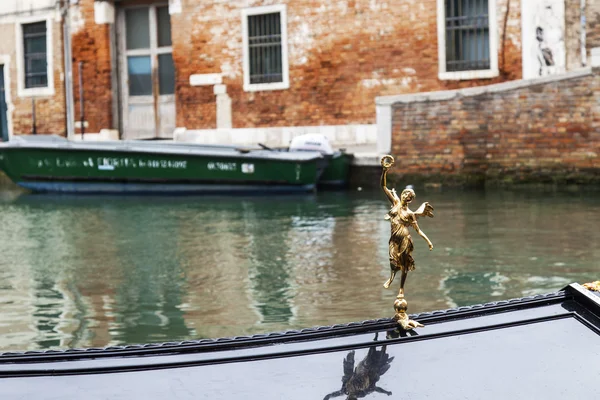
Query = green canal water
x=98 y=271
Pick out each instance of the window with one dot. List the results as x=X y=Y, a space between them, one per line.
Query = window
x=467 y=32
x=35 y=57
x=467 y=35
x=147 y=46
x=265 y=48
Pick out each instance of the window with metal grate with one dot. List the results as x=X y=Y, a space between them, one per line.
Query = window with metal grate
x=35 y=55
x=264 y=48
x=467 y=35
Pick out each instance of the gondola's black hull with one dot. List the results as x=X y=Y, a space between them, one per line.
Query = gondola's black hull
x=537 y=347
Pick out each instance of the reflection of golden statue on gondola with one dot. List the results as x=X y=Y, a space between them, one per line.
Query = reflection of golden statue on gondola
x=361 y=381
x=401 y=244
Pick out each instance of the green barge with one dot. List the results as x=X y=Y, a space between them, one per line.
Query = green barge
x=337 y=171
x=54 y=164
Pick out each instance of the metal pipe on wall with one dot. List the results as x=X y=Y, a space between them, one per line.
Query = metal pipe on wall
x=33 y=117
x=583 y=34
x=81 y=101
x=68 y=59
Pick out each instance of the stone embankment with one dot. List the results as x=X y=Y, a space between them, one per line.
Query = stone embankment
x=540 y=131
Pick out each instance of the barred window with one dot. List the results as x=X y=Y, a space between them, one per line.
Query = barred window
x=467 y=35
x=264 y=48
x=35 y=55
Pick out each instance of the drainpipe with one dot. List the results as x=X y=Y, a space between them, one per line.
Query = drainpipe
x=68 y=58
x=33 y=117
x=81 y=100
x=583 y=34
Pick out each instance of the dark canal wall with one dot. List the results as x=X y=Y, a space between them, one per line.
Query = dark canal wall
x=542 y=131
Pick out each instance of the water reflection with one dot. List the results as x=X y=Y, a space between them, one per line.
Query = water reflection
x=269 y=273
x=361 y=381
x=97 y=271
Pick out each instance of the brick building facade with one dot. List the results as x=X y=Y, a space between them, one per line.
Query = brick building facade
x=215 y=71
x=20 y=94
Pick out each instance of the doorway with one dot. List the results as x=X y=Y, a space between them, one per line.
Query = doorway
x=147 y=72
x=3 y=108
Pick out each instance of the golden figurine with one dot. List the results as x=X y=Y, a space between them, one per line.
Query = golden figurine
x=593 y=286
x=401 y=244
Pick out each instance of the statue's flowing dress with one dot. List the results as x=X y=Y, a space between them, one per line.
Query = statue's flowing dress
x=401 y=244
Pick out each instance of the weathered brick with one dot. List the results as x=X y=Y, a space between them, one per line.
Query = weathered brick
x=343 y=54
x=537 y=129
x=91 y=45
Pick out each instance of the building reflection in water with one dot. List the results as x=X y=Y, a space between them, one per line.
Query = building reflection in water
x=361 y=380
x=237 y=272
x=336 y=253
x=269 y=274
x=95 y=271
x=151 y=287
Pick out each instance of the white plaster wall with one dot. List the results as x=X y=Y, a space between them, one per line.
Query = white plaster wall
x=548 y=15
x=11 y=10
x=338 y=135
x=7 y=6
x=595 y=59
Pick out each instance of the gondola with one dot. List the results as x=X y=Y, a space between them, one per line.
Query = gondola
x=538 y=347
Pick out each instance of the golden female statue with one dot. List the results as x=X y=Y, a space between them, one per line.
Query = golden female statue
x=401 y=218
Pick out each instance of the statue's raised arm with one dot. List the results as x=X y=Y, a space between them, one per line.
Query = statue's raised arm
x=387 y=162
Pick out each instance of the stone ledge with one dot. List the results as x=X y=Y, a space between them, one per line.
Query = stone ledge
x=338 y=135
x=479 y=90
x=367 y=159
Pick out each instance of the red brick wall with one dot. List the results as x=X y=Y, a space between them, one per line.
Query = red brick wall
x=91 y=44
x=543 y=132
x=343 y=53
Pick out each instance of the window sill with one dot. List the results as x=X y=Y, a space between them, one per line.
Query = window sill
x=466 y=75
x=36 y=92
x=257 y=87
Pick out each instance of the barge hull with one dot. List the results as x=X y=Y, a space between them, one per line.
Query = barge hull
x=158 y=188
x=45 y=165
